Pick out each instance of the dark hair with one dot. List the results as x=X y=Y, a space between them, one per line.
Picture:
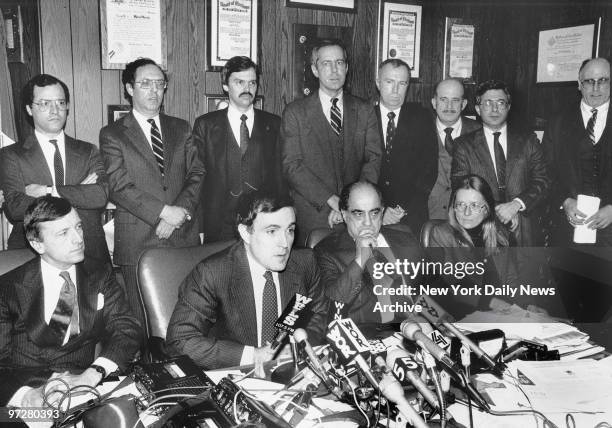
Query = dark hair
x=491 y=85
x=129 y=74
x=45 y=208
x=395 y=62
x=41 y=80
x=235 y=65
x=322 y=43
x=260 y=201
x=459 y=81
x=493 y=232
x=345 y=194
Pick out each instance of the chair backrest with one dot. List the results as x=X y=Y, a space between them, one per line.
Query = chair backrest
x=160 y=273
x=10 y=259
x=426 y=231
x=317 y=235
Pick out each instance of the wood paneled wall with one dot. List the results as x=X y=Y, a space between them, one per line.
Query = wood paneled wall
x=505 y=46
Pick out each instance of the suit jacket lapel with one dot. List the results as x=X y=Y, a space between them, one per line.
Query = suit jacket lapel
x=289 y=282
x=169 y=139
x=74 y=157
x=38 y=164
x=241 y=292
x=139 y=140
x=88 y=299
x=380 y=132
x=319 y=126
x=486 y=157
x=514 y=146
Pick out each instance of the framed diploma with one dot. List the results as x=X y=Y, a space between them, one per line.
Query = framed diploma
x=459 y=49
x=338 y=5
x=233 y=25
x=401 y=34
x=132 y=29
x=561 y=51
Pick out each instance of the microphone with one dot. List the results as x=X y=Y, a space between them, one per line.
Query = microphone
x=393 y=391
x=436 y=315
x=350 y=344
x=412 y=331
x=301 y=336
x=293 y=316
x=405 y=368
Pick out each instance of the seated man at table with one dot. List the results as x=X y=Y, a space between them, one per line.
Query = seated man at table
x=229 y=303
x=56 y=307
x=346 y=256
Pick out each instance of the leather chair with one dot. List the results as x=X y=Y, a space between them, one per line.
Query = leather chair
x=10 y=259
x=426 y=231
x=317 y=235
x=160 y=273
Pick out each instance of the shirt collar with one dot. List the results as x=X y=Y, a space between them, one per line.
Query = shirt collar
x=326 y=99
x=142 y=120
x=602 y=109
x=441 y=127
x=50 y=271
x=44 y=138
x=384 y=111
x=489 y=132
x=234 y=114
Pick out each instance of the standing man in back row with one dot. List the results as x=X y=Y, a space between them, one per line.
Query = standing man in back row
x=154 y=173
x=238 y=146
x=448 y=102
x=328 y=139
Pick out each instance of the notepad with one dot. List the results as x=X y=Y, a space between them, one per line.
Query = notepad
x=589 y=206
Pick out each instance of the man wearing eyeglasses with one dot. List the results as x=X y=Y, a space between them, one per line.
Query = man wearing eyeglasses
x=510 y=160
x=328 y=139
x=239 y=148
x=49 y=162
x=578 y=145
x=154 y=174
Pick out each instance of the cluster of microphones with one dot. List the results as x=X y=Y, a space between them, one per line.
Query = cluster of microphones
x=416 y=385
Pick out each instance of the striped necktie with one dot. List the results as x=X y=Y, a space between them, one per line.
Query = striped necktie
x=58 y=165
x=157 y=145
x=66 y=313
x=591 y=126
x=335 y=117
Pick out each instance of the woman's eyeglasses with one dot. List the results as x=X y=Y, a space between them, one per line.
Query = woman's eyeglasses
x=473 y=206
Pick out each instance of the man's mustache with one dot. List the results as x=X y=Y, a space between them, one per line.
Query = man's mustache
x=247 y=93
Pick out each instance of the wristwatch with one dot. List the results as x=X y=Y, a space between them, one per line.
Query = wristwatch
x=99 y=369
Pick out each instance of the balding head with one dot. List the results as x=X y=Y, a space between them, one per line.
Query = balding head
x=594 y=81
x=448 y=101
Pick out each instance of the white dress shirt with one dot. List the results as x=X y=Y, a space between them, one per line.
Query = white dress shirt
x=456 y=129
x=326 y=104
x=384 y=119
x=146 y=126
x=48 y=150
x=600 y=121
x=259 y=282
x=233 y=115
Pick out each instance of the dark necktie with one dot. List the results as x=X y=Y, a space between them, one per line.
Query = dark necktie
x=335 y=116
x=390 y=132
x=66 y=313
x=500 y=164
x=591 y=126
x=58 y=166
x=244 y=134
x=157 y=145
x=448 y=140
x=269 y=309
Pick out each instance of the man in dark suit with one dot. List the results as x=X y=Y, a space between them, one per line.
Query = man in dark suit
x=408 y=168
x=50 y=162
x=346 y=256
x=511 y=161
x=55 y=308
x=239 y=148
x=578 y=146
x=328 y=139
x=227 y=306
x=154 y=174
x=448 y=102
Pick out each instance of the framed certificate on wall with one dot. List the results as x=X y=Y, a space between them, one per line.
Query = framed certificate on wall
x=401 y=34
x=233 y=25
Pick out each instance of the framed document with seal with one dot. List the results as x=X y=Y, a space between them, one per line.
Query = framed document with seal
x=233 y=30
x=400 y=35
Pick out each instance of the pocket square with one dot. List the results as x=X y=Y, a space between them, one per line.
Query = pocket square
x=100 y=301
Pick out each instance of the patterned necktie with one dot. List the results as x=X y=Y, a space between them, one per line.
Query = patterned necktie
x=157 y=145
x=500 y=163
x=244 y=134
x=335 y=116
x=448 y=140
x=591 y=126
x=390 y=132
x=58 y=166
x=66 y=313
x=269 y=309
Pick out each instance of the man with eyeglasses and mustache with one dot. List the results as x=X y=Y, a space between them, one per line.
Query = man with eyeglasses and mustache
x=511 y=161
x=49 y=162
x=578 y=145
x=239 y=148
x=154 y=174
x=448 y=102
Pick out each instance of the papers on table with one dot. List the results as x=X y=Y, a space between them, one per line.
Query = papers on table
x=589 y=206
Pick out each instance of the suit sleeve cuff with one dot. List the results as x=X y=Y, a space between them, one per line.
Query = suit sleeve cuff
x=108 y=365
x=248 y=355
x=17 y=397
x=521 y=203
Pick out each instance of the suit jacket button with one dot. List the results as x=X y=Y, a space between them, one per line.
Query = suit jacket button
x=386 y=183
x=165 y=188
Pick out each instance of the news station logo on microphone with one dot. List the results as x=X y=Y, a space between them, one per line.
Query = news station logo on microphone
x=295 y=314
x=346 y=340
